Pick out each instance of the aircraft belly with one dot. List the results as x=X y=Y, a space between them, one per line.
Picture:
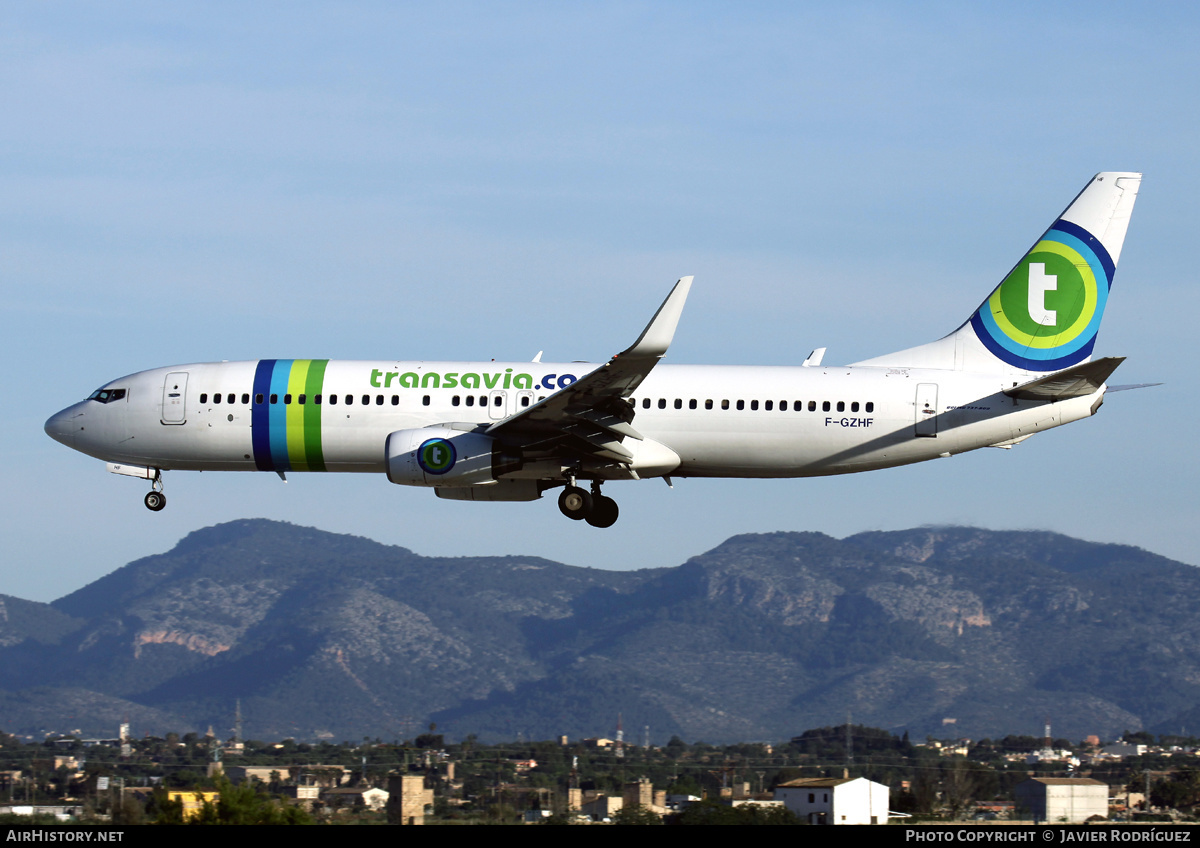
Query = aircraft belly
x=815 y=449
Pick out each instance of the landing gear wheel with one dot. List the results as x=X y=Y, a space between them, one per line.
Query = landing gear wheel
x=575 y=503
x=604 y=512
x=155 y=501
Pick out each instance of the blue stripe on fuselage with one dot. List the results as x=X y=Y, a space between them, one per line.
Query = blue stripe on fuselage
x=278 y=414
x=260 y=421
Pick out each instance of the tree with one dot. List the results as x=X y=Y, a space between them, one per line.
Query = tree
x=243 y=805
x=713 y=812
x=636 y=814
x=958 y=785
x=1180 y=791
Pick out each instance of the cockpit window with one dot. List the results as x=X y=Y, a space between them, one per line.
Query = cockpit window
x=107 y=395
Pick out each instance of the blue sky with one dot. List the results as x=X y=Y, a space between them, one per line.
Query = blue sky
x=186 y=183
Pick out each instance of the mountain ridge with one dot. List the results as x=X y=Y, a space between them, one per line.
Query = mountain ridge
x=936 y=629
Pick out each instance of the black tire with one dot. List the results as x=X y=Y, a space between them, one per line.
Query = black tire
x=155 y=501
x=575 y=503
x=604 y=512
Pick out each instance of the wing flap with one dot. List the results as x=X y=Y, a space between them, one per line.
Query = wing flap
x=601 y=440
x=606 y=420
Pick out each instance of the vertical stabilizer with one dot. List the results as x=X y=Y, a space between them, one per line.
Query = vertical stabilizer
x=1045 y=314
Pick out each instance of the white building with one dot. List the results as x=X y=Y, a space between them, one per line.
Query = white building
x=1062 y=799
x=835 y=800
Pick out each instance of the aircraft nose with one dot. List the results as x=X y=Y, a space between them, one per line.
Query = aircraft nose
x=62 y=426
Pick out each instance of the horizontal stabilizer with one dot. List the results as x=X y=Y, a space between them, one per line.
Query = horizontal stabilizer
x=1127 y=386
x=1077 y=381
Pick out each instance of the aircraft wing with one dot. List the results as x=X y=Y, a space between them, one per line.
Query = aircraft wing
x=1076 y=381
x=592 y=415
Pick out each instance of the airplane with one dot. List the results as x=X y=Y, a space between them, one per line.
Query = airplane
x=510 y=431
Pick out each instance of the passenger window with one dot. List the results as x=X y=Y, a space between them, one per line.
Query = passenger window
x=379 y=400
x=724 y=404
x=483 y=400
x=854 y=406
x=366 y=399
x=204 y=397
x=287 y=398
x=246 y=398
x=217 y=397
x=741 y=404
x=870 y=406
x=470 y=400
x=841 y=406
x=455 y=401
x=825 y=406
x=662 y=403
x=317 y=400
x=525 y=400
x=232 y=398
x=274 y=398
x=679 y=403
x=692 y=403
x=768 y=405
x=497 y=400
x=396 y=400
x=812 y=406
x=754 y=404
x=301 y=398
x=258 y=398
x=349 y=400
x=333 y=399
x=799 y=405
x=708 y=404
x=645 y=403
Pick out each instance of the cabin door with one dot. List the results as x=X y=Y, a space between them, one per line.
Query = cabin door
x=174 y=396
x=926 y=410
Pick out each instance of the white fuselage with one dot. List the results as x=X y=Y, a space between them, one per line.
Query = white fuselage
x=721 y=421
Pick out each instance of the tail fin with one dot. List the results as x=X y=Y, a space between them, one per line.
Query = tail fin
x=1046 y=312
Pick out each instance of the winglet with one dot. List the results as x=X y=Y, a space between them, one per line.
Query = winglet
x=656 y=338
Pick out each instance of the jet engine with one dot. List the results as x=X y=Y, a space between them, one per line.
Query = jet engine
x=443 y=456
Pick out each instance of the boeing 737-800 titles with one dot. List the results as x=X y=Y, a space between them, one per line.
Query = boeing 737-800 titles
x=509 y=431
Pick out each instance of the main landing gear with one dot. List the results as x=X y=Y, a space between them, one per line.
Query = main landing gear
x=594 y=508
x=155 y=499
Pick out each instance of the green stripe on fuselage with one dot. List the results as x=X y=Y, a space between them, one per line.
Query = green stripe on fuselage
x=295 y=415
x=313 y=454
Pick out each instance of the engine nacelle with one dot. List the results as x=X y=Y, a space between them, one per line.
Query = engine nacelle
x=442 y=456
x=501 y=490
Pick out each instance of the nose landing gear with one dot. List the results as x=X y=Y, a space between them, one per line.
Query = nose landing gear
x=155 y=500
x=594 y=508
